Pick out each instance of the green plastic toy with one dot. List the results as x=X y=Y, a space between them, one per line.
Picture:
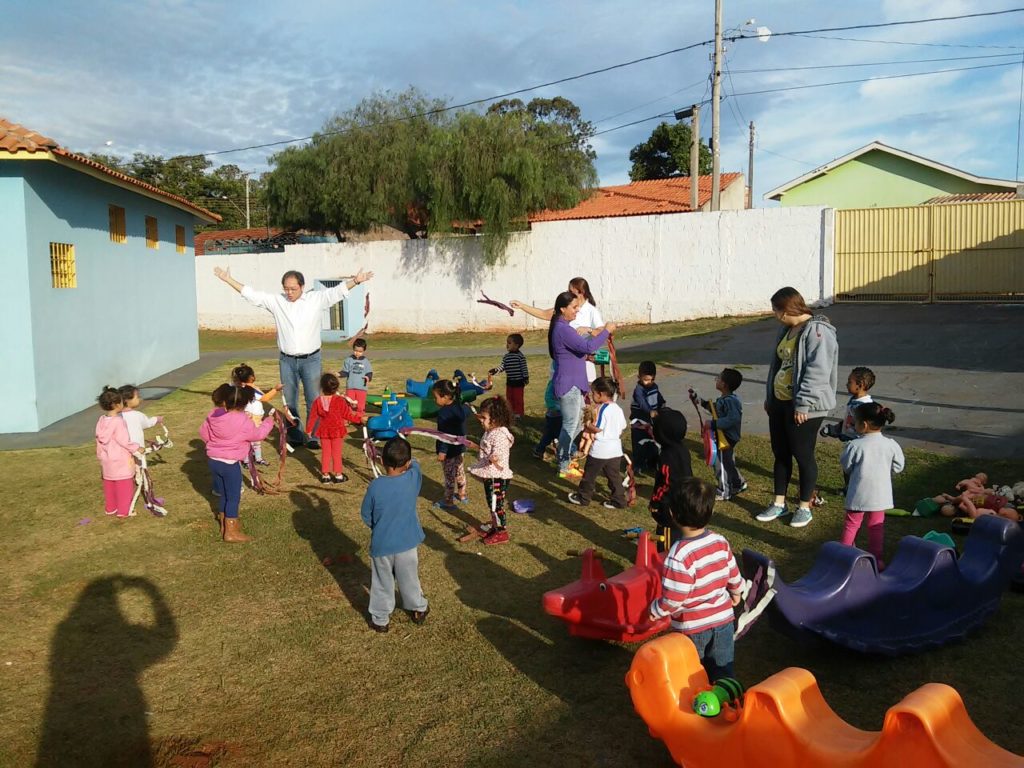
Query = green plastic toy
x=601 y=357
x=726 y=693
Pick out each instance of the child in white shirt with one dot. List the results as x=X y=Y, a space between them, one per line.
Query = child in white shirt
x=605 y=456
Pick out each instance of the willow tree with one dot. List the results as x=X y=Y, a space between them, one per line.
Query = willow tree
x=406 y=161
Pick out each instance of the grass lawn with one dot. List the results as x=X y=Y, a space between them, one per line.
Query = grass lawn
x=149 y=639
x=217 y=341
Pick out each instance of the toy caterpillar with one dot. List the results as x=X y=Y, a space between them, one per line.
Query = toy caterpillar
x=725 y=693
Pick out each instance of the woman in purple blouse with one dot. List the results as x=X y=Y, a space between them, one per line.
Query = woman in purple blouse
x=569 y=350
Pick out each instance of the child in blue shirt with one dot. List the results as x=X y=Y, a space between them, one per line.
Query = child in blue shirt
x=728 y=420
x=452 y=414
x=389 y=508
x=552 y=418
x=647 y=401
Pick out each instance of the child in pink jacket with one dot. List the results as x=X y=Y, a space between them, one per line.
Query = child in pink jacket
x=115 y=451
x=227 y=432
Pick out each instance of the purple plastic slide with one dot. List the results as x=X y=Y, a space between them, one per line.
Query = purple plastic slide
x=925 y=598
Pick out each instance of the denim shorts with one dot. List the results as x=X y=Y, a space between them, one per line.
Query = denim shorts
x=716 y=650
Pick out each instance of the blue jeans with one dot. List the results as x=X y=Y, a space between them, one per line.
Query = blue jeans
x=716 y=650
x=227 y=481
x=572 y=424
x=307 y=370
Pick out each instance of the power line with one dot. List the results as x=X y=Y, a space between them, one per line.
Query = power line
x=819 y=85
x=784 y=157
x=873 y=63
x=601 y=70
x=871 y=79
x=879 y=25
x=648 y=103
x=906 y=42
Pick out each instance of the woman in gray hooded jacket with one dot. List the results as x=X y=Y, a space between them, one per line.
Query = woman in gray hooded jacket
x=801 y=390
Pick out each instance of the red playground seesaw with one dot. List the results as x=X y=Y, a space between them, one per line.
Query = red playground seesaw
x=618 y=607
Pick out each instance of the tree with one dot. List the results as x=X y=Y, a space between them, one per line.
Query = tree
x=407 y=161
x=221 y=189
x=666 y=153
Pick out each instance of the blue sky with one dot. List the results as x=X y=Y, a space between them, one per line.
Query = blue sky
x=188 y=76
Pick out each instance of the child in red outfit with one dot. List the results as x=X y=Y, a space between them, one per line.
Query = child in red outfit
x=115 y=451
x=327 y=423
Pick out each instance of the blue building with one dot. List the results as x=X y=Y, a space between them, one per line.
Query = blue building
x=100 y=280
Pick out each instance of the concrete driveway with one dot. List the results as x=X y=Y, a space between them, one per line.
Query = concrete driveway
x=953 y=374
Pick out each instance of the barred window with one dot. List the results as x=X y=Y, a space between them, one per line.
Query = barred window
x=62 y=265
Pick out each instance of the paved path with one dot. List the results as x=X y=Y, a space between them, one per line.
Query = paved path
x=954 y=374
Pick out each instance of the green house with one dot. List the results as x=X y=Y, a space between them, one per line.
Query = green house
x=878 y=176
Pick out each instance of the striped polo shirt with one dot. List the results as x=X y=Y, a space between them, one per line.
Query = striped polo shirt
x=700 y=573
x=514 y=366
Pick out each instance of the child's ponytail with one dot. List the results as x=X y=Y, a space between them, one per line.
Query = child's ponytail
x=874 y=414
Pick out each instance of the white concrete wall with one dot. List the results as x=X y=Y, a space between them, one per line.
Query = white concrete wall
x=641 y=269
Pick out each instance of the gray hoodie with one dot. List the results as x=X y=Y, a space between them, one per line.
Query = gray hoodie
x=815 y=369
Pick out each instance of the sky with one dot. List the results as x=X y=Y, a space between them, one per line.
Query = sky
x=196 y=76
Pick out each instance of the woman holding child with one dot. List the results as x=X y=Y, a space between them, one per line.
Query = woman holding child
x=569 y=350
x=801 y=390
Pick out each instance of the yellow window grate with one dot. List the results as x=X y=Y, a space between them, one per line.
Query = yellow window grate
x=62 y=265
x=179 y=237
x=118 y=231
x=152 y=233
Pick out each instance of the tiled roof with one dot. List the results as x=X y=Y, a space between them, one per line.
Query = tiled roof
x=226 y=237
x=16 y=138
x=971 y=197
x=640 y=198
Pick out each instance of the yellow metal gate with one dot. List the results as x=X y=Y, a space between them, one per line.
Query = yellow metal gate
x=958 y=252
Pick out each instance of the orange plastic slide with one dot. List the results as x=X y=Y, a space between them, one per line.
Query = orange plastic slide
x=785 y=721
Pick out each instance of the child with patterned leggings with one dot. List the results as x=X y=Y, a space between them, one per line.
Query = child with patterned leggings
x=493 y=466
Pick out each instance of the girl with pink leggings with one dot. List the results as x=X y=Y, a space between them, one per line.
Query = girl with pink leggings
x=115 y=450
x=870 y=461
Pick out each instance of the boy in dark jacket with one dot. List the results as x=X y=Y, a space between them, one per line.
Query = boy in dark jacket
x=673 y=466
x=728 y=413
x=647 y=401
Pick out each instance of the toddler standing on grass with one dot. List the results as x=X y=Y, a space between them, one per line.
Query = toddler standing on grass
x=517 y=375
x=227 y=432
x=136 y=420
x=493 y=466
x=451 y=419
x=116 y=453
x=728 y=413
x=647 y=401
x=552 y=418
x=357 y=373
x=327 y=424
x=871 y=461
x=605 y=457
x=245 y=376
x=389 y=509
x=701 y=582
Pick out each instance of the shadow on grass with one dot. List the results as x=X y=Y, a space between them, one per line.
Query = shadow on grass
x=96 y=713
x=197 y=471
x=333 y=549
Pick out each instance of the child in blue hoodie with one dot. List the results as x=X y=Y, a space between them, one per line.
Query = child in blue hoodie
x=728 y=413
x=389 y=508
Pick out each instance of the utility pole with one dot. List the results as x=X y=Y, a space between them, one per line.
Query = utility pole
x=247 y=199
x=694 y=157
x=750 y=169
x=716 y=97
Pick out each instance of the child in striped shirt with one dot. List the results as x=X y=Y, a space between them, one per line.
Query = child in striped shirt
x=517 y=375
x=701 y=582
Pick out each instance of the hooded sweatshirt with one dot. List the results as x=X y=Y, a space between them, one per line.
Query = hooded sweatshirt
x=673 y=462
x=227 y=434
x=815 y=368
x=114 y=448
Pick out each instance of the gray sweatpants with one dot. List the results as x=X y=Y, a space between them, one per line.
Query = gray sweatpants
x=386 y=570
